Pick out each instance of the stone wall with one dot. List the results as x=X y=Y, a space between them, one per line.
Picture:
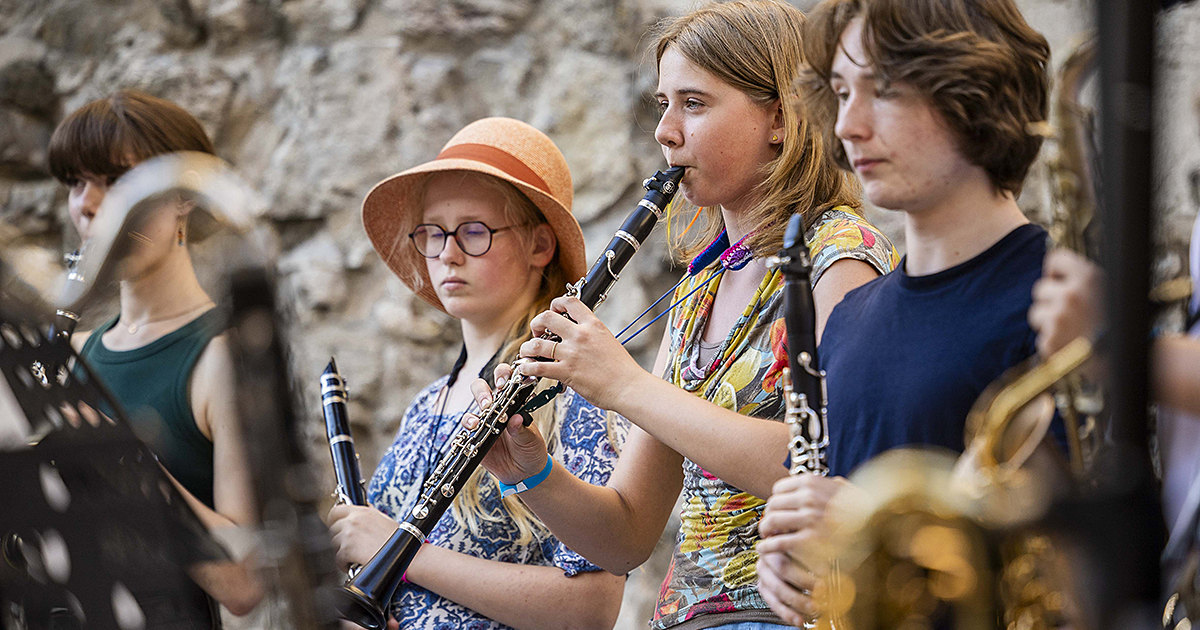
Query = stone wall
x=316 y=100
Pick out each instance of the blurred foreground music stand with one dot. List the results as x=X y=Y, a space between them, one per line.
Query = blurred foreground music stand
x=94 y=533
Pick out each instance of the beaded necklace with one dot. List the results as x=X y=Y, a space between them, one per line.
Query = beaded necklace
x=732 y=257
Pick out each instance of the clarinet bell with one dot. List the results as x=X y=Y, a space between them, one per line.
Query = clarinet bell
x=357 y=607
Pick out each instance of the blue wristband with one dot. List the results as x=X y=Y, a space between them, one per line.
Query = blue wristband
x=532 y=482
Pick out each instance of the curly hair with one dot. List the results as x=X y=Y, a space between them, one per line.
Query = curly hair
x=981 y=65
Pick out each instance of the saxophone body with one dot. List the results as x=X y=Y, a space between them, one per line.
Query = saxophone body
x=363 y=599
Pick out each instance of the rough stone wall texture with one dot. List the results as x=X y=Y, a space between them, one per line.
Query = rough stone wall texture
x=316 y=100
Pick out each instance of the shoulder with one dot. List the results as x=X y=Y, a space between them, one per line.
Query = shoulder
x=842 y=233
x=214 y=369
x=211 y=383
x=80 y=339
x=1016 y=261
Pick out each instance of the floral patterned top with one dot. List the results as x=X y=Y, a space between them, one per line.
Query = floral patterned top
x=712 y=578
x=584 y=444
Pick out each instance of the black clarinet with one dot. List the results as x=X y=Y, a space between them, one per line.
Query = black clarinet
x=350 y=488
x=803 y=382
x=364 y=598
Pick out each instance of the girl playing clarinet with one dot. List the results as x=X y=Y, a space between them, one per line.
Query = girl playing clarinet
x=708 y=418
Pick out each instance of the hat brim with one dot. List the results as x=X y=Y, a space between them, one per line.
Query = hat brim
x=386 y=205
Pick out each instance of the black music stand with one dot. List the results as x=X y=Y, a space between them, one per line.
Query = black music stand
x=94 y=534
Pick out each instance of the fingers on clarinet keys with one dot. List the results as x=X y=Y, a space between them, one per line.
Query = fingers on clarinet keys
x=481 y=393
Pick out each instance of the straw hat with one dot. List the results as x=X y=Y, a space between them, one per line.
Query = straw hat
x=504 y=148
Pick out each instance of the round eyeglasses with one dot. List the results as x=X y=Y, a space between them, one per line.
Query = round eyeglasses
x=474 y=238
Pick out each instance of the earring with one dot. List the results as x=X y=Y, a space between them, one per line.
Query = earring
x=181 y=235
x=775 y=138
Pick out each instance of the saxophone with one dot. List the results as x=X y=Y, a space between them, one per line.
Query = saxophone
x=364 y=598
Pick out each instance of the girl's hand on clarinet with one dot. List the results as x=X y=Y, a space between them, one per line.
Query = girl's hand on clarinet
x=358 y=532
x=520 y=453
x=588 y=359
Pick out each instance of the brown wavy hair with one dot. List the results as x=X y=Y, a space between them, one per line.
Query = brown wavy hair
x=755 y=46
x=979 y=62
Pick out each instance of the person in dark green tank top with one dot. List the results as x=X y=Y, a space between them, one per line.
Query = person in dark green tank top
x=163 y=356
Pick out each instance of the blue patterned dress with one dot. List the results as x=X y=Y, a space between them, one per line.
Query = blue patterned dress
x=583 y=444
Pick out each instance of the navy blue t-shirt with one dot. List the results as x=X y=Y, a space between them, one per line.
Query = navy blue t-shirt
x=907 y=356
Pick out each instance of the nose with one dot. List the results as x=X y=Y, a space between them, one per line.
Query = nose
x=93 y=195
x=853 y=120
x=452 y=254
x=667 y=132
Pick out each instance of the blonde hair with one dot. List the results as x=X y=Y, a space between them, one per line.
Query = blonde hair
x=756 y=47
x=467 y=506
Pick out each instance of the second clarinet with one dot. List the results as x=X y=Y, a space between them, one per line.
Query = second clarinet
x=350 y=488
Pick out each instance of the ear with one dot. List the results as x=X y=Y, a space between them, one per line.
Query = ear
x=184 y=206
x=543 y=246
x=776 y=108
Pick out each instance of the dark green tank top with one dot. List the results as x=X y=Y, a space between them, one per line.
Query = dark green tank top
x=151 y=382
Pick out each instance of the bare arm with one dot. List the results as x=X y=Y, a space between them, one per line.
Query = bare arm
x=745 y=452
x=213 y=393
x=1176 y=363
x=517 y=595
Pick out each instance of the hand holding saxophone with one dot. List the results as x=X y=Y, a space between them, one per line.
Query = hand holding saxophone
x=1066 y=301
x=587 y=358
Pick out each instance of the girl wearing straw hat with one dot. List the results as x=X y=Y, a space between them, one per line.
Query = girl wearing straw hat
x=711 y=425
x=485 y=233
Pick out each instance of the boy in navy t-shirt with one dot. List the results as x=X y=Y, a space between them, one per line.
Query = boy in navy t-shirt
x=932 y=103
